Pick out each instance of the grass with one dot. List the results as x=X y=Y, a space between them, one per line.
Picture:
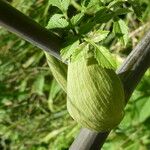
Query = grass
x=33 y=111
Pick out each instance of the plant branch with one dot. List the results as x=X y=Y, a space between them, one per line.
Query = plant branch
x=26 y=28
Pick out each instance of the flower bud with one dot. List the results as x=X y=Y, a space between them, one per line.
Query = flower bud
x=95 y=95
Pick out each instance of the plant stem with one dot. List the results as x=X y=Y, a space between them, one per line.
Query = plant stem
x=16 y=22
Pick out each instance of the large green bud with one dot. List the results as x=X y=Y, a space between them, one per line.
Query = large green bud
x=95 y=95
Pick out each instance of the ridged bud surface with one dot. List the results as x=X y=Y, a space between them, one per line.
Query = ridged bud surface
x=95 y=95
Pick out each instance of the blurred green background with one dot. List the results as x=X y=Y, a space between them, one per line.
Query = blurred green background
x=33 y=113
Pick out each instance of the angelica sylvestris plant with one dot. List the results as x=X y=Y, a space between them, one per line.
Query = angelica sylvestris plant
x=95 y=95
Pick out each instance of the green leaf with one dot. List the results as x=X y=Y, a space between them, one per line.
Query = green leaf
x=136 y=7
x=61 y=4
x=104 y=57
x=121 y=31
x=121 y=11
x=98 y=35
x=65 y=4
x=93 y=6
x=69 y=50
x=86 y=27
x=78 y=53
x=104 y=15
x=57 y=21
x=75 y=20
x=56 y=3
x=115 y=3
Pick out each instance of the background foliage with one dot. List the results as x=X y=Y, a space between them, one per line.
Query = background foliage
x=33 y=111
